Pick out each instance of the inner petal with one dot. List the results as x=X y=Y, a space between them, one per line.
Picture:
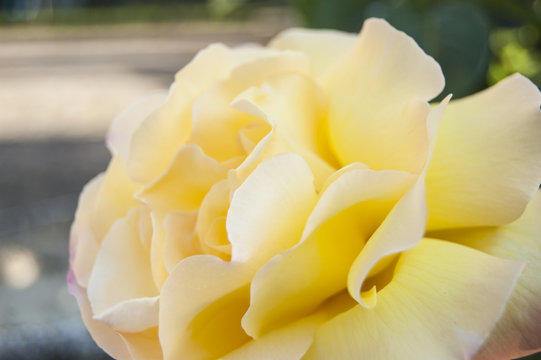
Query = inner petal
x=347 y=213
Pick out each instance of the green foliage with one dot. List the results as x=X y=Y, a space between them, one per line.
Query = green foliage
x=477 y=42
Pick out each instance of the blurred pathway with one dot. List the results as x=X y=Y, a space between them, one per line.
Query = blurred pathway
x=71 y=82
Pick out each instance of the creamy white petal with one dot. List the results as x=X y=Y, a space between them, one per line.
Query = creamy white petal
x=122 y=268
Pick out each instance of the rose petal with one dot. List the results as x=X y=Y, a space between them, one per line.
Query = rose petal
x=106 y=338
x=518 y=333
x=204 y=298
x=179 y=243
x=160 y=135
x=143 y=345
x=83 y=244
x=323 y=47
x=486 y=164
x=295 y=108
x=295 y=282
x=216 y=123
x=371 y=119
x=287 y=343
x=215 y=204
x=268 y=211
x=402 y=229
x=128 y=121
x=201 y=304
x=122 y=268
x=132 y=315
x=435 y=307
x=185 y=183
x=115 y=198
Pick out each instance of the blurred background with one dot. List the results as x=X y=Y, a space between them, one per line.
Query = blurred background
x=67 y=67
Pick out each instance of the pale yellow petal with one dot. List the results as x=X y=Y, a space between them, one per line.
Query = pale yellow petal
x=143 y=345
x=160 y=135
x=179 y=228
x=128 y=121
x=295 y=109
x=185 y=183
x=106 y=338
x=268 y=211
x=216 y=123
x=486 y=164
x=287 y=343
x=377 y=100
x=441 y=303
x=402 y=229
x=201 y=304
x=215 y=241
x=115 y=198
x=518 y=333
x=157 y=256
x=132 y=315
x=215 y=204
x=323 y=47
x=297 y=281
x=83 y=243
x=122 y=268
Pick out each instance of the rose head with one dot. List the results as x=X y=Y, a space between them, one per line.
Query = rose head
x=304 y=200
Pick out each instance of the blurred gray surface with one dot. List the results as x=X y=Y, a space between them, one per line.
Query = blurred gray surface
x=40 y=181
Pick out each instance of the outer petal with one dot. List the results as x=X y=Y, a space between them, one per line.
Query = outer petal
x=155 y=142
x=371 y=117
x=143 y=345
x=486 y=164
x=126 y=123
x=435 y=307
x=132 y=315
x=518 y=333
x=83 y=243
x=121 y=275
x=323 y=47
x=115 y=198
x=107 y=338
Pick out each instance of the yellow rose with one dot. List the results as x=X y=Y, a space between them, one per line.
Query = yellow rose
x=304 y=200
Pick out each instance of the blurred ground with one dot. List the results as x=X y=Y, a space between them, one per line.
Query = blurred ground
x=59 y=90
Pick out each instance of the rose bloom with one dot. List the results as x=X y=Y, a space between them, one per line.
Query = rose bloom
x=304 y=200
